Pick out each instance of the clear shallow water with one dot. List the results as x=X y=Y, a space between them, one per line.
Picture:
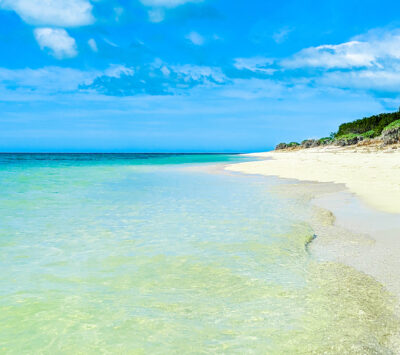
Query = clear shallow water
x=144 y=254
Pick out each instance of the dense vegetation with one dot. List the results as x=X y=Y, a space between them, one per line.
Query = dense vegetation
x=368 y=127
x=394 y=124
x=370 y=134
x=354 y=132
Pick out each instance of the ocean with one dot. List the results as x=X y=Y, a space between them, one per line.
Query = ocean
x=167 y=254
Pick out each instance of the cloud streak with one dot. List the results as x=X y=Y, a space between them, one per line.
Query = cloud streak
x=255 y=64
x=157 y=7
x=93 y=45
x=369 y=62
x=365 y=51
x=156 y=79
x=384 y=80
x=46 y=79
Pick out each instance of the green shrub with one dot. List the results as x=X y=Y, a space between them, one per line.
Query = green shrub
x=293 y=144
x=376 y=123
x=369 y=134
x=394 y=124
x=348 y=136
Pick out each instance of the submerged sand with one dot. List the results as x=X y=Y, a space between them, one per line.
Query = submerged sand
x=359 y=215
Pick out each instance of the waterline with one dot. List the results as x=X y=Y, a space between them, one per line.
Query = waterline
x=117 y=256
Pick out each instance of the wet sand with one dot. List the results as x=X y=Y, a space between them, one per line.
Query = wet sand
x=356 y=195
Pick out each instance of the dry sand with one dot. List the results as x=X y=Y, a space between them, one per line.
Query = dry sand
x=373 y=176
x=365 y=202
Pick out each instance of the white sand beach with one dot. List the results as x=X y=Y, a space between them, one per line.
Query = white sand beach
x=373 y=176
x=365 y=233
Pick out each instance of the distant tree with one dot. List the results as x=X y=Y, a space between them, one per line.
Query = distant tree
x=374 y=123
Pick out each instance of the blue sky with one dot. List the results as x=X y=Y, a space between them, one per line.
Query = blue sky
x=191 y=75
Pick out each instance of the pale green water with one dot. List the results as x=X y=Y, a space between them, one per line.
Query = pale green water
x=140 y=255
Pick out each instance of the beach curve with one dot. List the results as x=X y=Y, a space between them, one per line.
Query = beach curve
x=373 y=176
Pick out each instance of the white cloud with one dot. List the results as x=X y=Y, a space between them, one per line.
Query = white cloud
x=199 y=73
x=165 y=70
x=364 y=51
x=47 y=79
x=255 y=64
x=387 y=80
x=115 y=71
x=157 y=11
x=61 y=45
x=60 y=13
x=368 y=62
x=195 y=38
x=156 y=15
x=112 y=44
x=281 y=35
x=93 y=45
x=166 y=3
x=345 y=55
x=156 y=79
x=55 y=79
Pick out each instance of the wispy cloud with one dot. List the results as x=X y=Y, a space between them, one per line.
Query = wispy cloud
x=250 y=89
x=255 y=64
x=345 y=55
x=382 y=80
x=167 y=3
x=158 y=7
x=156 y=79
x=199 y=73
x=118 y=12
x=60 y=13
x=93 y=45
x=55 y=80
x=46 y=79
x=372 y=49
x=111 y=43
x=156 y=15
x=60 y=44
x=281 y=35
x=367 y=62
x=196 y=38
x=116 y=71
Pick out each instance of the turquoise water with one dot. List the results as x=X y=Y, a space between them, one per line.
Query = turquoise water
x=163 y=254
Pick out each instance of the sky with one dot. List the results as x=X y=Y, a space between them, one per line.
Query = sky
x=191 y=75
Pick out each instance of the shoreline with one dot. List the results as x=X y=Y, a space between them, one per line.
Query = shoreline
x=354 y=226
x=365 y=239
x=374 y=176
